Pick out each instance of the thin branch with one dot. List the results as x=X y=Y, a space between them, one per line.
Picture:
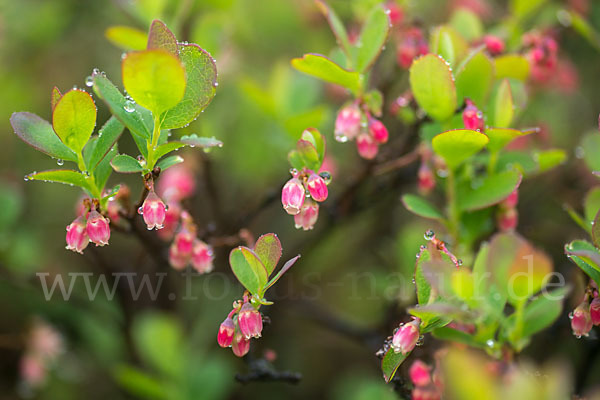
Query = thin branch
x=262 y=371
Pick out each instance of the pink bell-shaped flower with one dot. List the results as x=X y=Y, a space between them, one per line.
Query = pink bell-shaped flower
x=97 y=228
x=292 y=196
x=77 y=237
x=154 y=211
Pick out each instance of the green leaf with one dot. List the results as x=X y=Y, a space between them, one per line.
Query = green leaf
x=140 y=384
x=548 y=159
x=454 y=335
x=295 y=160
x=448 y=43
x=524 y=8
x=423 y=286
x=248 y=269
x=512 y=66
x=108 y=92
x=474 y=78
x=313 y=136
x=337 y=27
x=503 y=106
x=467 y=23
x=168 y=162
x=66 y=176
x=492 y=190
x=591 y=204
x=126 y=164
x=155 y=79
x=421 y=207
x=390 y=363
x=372 y=38
x=38 y=133
x=541 y=312
x=374 y=102
x=55 y=97
x=188 y=140
x=591 y=150
x=596 y=230
x=500 y=137
x=323 y=68
x=104 y=169
x=282 y=271
x=126 y=37
x=201 y=72
x=586 y=256
x=308 y=154
x=584 y=28
x=159 y=340
x=160 y=37
x=74 y=119
x=107 y=137
x=268 y=249
x=433 y=86
x=458 y=145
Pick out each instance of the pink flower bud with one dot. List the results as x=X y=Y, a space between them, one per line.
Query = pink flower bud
x=420 y=373
x=292 y=196
x=581 y=320
x=595 y=311
x=347 y=123
x=226 y=332
x=32 y=370
x=184 y=242
x=472 y=117
x=97 y=228
x=426 y=179
x=367 y=147
x=77 y=237
x=171 y=222
x=250 y=321
x=494 y=44
x=176 y=259
x=176 y=183
x=307 y=218
x=429 y=392
x=512 y=199
x=507 y=219
x=202 y=257
x=154 y=211
x=395 y=12
x=240 y=345
x=378 y=131
x=317 y=187
x=406 y=337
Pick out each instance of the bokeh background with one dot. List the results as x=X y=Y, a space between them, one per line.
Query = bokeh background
x=354 y=278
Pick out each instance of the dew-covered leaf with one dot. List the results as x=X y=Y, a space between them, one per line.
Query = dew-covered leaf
x=492 y=190
x=458 y=145
x=201 y=72
x=168 y=162
x=126 y=164
x=500 y=137
x=433 y=86
x=161 y=37
x=74 y=118
x=449 y=44
x=586 y=256
x=107 y=137
x=66 y=176
x=308 y=154
x=474 y=78
x=390 y=363
x=155 y=79
x=315 y=137
x=323 y=68
x=503 y=107
x=38 y=133
x=372 y=38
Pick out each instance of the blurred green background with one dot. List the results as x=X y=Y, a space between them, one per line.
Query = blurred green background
x=356 y=265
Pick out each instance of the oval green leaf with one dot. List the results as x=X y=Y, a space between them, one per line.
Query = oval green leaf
x=503 y=107
x=433 y=87
x=248 y=269
x=268 y=249
x=126 y=37
x=155 y=79
x=458 y=145
x=66 y=176
x=512 y=66
x=161 y=37
x=126 y=164
x=421 y=207
x=74 y=119
x=493 y=190
x=323 y=68
x=500 y=137
x=474 y=78
x=372 y=38
x=38 y=133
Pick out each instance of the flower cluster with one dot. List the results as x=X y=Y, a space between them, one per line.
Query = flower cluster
x=243 y=323
x=90 y=226
x=427 y=386
x=355 y=122
x=301 y=194
x=44 y=345
x=587 y=313
x=411 y=44
x=543 y=56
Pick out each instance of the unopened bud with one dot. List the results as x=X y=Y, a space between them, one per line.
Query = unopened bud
x=581 y=320
x=420 y=373
x=250 y=321
x=317 y=187
x=367 y=147
x=595 y=311
x=202 y=257
x=77 y=237
x=378 y=131
x=406 y=337
x=308 y=215
x=240 y=345
x=347 y=123
x=226 y=333
x=153 y=211
x=98 y=228
x=292 y=196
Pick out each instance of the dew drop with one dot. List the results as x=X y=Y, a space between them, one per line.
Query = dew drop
x=293 y=171
x=326 y=177
x=459 y=262
x=141 y=210
x=429 y=235
x=89 y=81
x=129 y=106
x=60 y=162
x=490 y=343
x=579 y=152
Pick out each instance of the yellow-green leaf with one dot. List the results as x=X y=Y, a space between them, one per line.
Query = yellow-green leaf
x=457 y=145
x=155 y=79
x=323 y=68
x=126 y=37
x=433 y=86
x=74 y=118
